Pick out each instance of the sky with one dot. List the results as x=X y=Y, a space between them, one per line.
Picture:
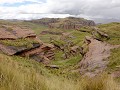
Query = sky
x=35 y=9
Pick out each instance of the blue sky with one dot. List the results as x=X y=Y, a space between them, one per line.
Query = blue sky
x=10 y=9
x=17 y=4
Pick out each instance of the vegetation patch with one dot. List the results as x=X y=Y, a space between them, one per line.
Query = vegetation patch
x=68 y=62
x=21 y=74
x=19 y=42
x=113 y=30
x=114 y=60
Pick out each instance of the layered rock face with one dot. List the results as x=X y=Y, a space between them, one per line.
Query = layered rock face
x=12 y=39
x=65 y=23
x=12 y=32
x=15 y=40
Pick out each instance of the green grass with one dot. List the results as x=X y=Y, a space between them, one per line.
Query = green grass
x=46 y=38
x=18 y=73
x=79 y=37
x=114 y=60
x=15 y=76
x=19 y=42
x=113 y=30
x=75 y=38
x=58 y=55
x=37 y=28
x=73 y=60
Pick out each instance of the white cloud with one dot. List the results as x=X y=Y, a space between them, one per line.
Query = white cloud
x=32 y=16
x=17 y=1
x=82 y=8
x=10 y=1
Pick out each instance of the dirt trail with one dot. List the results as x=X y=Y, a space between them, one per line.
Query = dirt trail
x=95 y=60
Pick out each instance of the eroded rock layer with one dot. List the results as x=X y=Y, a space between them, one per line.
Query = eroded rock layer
x=15 y=40
x=65 y=23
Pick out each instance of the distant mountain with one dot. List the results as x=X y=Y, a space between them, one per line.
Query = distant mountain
x=103 y=20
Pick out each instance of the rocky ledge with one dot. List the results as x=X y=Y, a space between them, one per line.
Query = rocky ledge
x=15 y=40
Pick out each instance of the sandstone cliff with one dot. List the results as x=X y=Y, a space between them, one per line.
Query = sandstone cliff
x=65 y=23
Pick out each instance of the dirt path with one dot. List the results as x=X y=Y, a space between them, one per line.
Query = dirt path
x=95 y=60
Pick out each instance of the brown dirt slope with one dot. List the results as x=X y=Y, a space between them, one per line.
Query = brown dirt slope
x=95 y=60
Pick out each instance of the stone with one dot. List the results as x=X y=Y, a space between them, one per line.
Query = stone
x=52 y=66
x=12 y=50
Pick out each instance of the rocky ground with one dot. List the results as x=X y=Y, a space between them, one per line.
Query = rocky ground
x=96 y=59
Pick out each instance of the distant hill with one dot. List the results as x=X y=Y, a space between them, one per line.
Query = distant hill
x=64 y=23
x=104 y=21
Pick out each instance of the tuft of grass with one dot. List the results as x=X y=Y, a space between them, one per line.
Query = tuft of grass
x=16 y=77
x=100 y=82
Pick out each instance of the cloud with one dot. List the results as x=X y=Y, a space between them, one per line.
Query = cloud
x=32 y=16
x=103 y=8
x=80 y=8
x=11 y=1
x=17 y=1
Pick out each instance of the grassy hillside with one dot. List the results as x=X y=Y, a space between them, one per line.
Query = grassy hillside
x=113 y=30
x=114 y=63
x=18 y=73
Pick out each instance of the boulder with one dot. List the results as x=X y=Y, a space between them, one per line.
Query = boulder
x=12 y=33
x=23 y=33
x=13 y=50
x=98 y=34
x=4 y=34
x=53 y=66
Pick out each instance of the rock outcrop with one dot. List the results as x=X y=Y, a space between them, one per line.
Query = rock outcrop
x=15 y=40
x=65 y=23
x=13 y=50
x=13 y=32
